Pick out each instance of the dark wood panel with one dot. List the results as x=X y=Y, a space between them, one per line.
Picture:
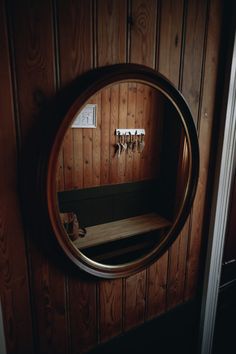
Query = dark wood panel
x=177 y=269
x=171 y=46
x=14 y=287
x=111 y=48
x=71 y=313
x=110 y=309
x=143 y=24
x=156 y=287
x=82 y=313
x=171 y=27
x=193 y=54
x=75 y=26
x=34 y=54
x=205 y=133
x=111 y=31
x=168 y=61
x=193 y=57
x=135 y=299
x=75 y=30
x=142 y=50
x=88 y=157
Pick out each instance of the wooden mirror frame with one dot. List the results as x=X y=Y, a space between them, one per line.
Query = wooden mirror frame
x=85 y=87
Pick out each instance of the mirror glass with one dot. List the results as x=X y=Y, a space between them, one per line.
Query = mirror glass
x=120 y=191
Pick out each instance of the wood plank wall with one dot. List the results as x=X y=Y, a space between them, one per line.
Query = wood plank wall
x=93 y=161
x=51 y=308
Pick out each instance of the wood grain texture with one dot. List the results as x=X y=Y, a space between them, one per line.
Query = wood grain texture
x=143 y=25
x=205 y=133
x=14 y=286
x=157 y=287
x=111 y=31
x=171 y=26
x=70 y=312
x=169 y=64
x=34 y=56
x=110 y=309
x=135 y=299
x=75 y=30
x=120 y=229
x=142 y=42
x=193 y=54
x=83 y=317
x=76 y=57
x=87 y=157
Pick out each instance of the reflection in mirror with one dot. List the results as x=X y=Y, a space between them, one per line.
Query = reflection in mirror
x=118 y=195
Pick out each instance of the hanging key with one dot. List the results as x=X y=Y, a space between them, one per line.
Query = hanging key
x=123 y=144
x=134 y=143
x=117 y=149
x=118 y=146
x=130 y=142
x=141 y=143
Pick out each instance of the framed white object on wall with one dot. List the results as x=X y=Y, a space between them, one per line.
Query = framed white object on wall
x=86 y=118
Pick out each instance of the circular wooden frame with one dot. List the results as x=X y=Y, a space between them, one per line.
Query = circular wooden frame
x=84 y=88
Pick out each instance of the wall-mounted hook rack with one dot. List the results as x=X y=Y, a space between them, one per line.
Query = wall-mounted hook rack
x=130 y=132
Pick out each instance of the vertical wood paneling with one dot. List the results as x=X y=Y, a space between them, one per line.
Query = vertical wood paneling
x=14 y=287
x=75 y=29
x=75 y=26
x=138 y=124
x=171 y=26
x=205 y=132
x=123 y=110
x=111 y=31
x=193 y=57
x=97 y=142
x=82 y=303
x=115 y=93
x=111 y=49
x=171 y=33
x=143 y=32
x=93 y=309
x=142 y=50
x=88 y=157
x=135 y=299
x=132 y=94
x=117 y=106
x=110 y=309
x=193 y=54
x=156 y=287
x=68 y=166
x=105 y=143
x=34 y=62
x=78 y=168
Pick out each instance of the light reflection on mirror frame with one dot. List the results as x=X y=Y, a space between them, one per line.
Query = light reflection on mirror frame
x=119 y=75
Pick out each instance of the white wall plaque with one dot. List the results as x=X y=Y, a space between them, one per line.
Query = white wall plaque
x=86 y=118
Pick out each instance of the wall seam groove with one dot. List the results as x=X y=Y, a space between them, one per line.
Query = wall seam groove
x=128 y=31
x=94 y=33
x=203 y=66
x=57 y=85
x=180 y=87
x=197 y=128
x=157 y=36
x=183 y=42
x=18 y=134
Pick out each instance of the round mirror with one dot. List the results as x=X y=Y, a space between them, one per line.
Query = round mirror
x=122 y=171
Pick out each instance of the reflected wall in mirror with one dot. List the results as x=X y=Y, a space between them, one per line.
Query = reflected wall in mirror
x=119 y=195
